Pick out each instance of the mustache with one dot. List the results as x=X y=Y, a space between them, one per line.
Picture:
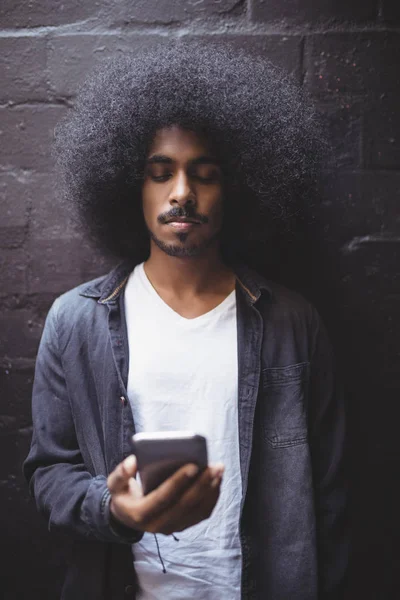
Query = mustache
x=182 y=214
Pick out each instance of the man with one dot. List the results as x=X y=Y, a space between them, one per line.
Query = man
x=177 y=159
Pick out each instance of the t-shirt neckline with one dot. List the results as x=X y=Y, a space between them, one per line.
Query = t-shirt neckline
x=157 y=298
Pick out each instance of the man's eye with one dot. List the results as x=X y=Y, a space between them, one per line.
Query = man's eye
x=160 y=176
x=207 y=175
x=209 y=179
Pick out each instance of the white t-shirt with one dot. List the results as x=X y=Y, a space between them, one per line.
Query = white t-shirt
x=183 y=375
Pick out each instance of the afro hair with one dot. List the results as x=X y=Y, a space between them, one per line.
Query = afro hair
x=265 y=131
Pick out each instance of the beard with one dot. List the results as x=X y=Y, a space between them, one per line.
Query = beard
x=182 y=250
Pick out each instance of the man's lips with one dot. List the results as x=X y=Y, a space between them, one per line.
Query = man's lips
x=183 y=220
x=183 y=225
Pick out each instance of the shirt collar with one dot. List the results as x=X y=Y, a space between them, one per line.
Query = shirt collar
x=108 y=289
x=252 y=283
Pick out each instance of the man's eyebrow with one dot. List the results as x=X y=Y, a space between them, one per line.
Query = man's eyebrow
x=159 y=158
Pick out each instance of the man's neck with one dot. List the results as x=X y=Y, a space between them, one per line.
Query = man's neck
x=189 y=276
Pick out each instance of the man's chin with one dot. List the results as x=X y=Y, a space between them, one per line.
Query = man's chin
x=182 y=250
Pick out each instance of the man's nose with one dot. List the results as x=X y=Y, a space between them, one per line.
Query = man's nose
x=181 y=192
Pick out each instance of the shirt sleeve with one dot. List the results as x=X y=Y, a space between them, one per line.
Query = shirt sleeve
x=328 y=445
x=68 y=496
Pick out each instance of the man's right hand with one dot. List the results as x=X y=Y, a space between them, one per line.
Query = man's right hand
x=184 y=499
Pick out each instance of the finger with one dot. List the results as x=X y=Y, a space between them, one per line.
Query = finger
x=118 y=480
x=167 y=493
x=208 y=479
x=217 y=469
x=189 y=511
x=200 y=511
x=207 y=485
x=202 y=493
x=195 y=489
x=204 y=508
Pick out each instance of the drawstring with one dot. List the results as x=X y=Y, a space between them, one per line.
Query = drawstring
x=164 y=570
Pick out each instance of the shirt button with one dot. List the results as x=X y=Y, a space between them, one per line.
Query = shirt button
x=129 y=590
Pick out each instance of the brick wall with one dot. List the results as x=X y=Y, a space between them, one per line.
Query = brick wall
x=347 y=54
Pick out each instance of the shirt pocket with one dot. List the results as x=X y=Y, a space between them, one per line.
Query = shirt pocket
x=284 y=405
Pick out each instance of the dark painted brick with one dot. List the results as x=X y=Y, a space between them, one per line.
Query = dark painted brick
x=9 y=463
x=15 y=197
x=60 y=264
x=30 y=197
x=373 y=273
x=22 y=69
x=21 y=331
x=49 y=218
x=15 y=204
x=391 y=11
x=106 y=12
x=25 y=13
x=338 y=63
x=26 y=133
x=14 y=489
x=376 y=545
x=72 y=57
x=382 y=134
x=359 y=204
x=343 y=124
x=8 y=423
x=16 y=389
x=169 y=11
x=371 y=289
x=31 y=549
x=40 y=303
x=12 y=237
x=282 y=50
x=303 y=11
x=13 y=265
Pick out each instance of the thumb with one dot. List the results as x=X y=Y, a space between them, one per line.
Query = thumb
x=129 y=466
x=118 y=480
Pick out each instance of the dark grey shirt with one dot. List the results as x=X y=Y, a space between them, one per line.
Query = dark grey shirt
x=291 y=436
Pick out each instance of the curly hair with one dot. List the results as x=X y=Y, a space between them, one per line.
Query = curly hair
x=264 y=130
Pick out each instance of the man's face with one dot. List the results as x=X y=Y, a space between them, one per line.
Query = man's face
x=182 y=192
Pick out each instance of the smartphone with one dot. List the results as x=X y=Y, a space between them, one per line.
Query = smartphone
x=161 y=453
